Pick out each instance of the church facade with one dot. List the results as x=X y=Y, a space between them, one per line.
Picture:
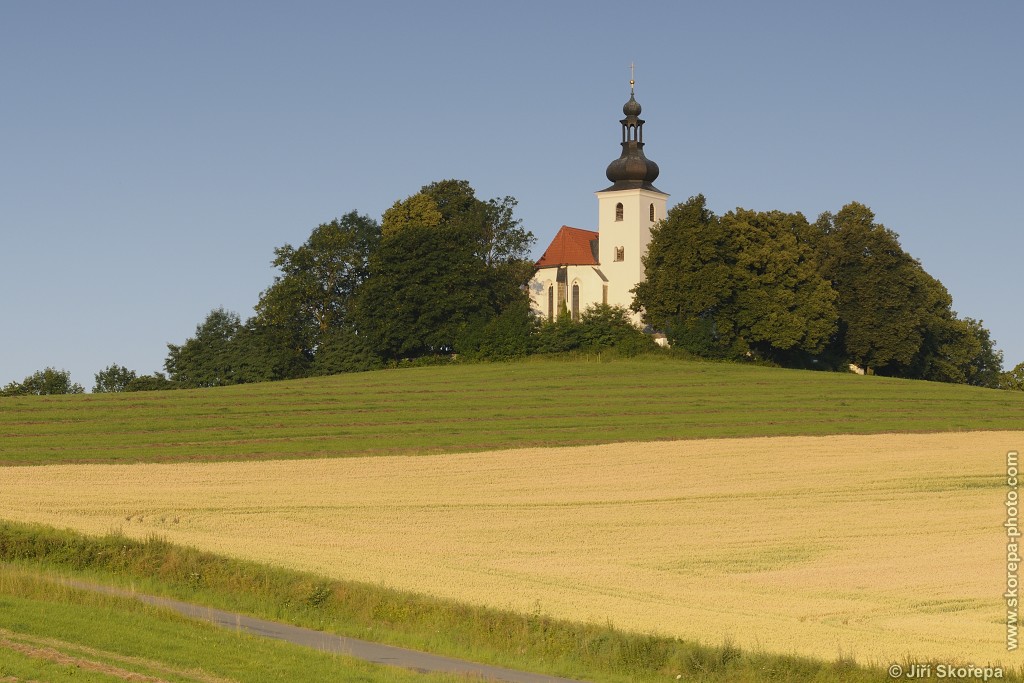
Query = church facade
x=585 y=267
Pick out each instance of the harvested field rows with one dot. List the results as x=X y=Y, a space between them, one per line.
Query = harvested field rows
x=876 y=547
x=486 y=407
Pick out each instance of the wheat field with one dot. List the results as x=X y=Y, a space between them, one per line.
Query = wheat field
x=876 y=547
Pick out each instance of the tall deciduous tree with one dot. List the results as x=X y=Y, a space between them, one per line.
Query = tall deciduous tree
x=895 y=318
x=885 y=297
x=741 y=284
x=688 y=281
x=319 y=279
x=425 y=288
x=958 y=350
x=781 y=304
x=447 y=262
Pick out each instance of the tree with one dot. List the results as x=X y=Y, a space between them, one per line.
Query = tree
x=895 y=318
x=259 y=352
x=740 y=285
x=418 y=210
x=316 y=290
x=447 y=263
x=112 y=379
x=780 y=303
x=885 y=297
x=497 y=236
x=46 y=382
x=688 y=281
x=1013 y=379
x=504 y=245
x=959 y=350
x=983 y=364
x=207 y=359
x=345 y=350
x=424 y=289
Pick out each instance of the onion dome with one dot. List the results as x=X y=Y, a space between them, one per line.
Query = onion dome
x=632 y=170
x=631 y=108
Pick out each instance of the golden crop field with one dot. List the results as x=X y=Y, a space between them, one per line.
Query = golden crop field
x=877 y=547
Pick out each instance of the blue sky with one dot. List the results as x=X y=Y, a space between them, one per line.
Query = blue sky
x=152 y=155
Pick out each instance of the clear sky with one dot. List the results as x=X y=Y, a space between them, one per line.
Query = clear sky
x=152 y=155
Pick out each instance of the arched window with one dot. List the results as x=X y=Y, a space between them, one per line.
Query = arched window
x=575 y=301
x=618 y=211
x=551 y=303
x=652 y=213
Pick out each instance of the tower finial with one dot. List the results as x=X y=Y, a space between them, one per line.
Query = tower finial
x=632 y=170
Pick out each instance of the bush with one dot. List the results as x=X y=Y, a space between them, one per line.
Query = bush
x=504 y=337
x=156 y=382
x=601 y=328
x=44 y=383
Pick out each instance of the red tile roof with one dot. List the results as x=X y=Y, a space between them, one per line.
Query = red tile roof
x=571 y=247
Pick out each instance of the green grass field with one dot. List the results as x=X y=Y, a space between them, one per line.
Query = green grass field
x=538 y=402
x=470 y=407
x=34 y=606
x=50 y=632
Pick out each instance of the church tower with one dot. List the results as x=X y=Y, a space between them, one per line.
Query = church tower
x=581 y=268
x=628 y=209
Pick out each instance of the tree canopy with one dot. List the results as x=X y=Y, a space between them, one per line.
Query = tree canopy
x=735 y=285
x=444 y=274
x=113 y=378
x=446 y=260
x=316 y=289
x=206 y=360
x=840 y=291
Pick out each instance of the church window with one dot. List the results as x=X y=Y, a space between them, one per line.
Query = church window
x=652 y=213
x=620 y=253
x=575 y=301
x=551 y=302
x=618 y=211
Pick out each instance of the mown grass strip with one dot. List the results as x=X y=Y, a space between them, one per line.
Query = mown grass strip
x=530 y=642
x=50 y=632
x=537 y=402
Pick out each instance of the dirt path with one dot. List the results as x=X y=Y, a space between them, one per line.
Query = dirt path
x=377 y=653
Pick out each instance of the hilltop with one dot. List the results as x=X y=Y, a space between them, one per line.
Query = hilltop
x=535 y=402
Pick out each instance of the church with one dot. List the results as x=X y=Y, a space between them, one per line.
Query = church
x=584 y=267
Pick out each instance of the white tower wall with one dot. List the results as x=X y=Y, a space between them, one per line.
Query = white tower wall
x=624 y=242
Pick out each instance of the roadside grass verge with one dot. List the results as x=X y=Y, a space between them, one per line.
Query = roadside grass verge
x=51 y=632
x=532 y=642
x=488 y=406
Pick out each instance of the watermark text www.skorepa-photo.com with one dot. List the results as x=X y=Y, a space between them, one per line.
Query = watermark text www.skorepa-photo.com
x=1013 y=558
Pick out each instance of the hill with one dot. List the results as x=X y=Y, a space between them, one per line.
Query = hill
x=536 y=402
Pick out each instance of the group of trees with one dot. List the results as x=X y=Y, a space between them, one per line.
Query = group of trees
x=442 y=268
x=444 y=274
x=773 y=286
x=113 y=378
